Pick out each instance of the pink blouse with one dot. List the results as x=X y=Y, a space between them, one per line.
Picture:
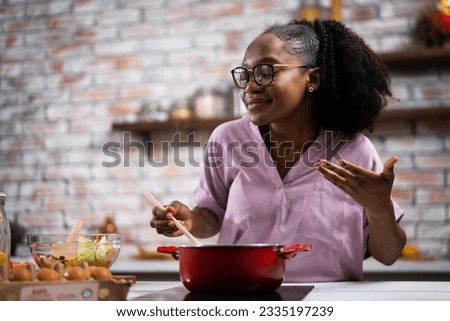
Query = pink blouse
x=241 y=185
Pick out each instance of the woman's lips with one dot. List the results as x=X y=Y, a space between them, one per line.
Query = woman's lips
x=256 y=103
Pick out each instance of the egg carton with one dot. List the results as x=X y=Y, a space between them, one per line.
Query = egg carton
x=89 y=290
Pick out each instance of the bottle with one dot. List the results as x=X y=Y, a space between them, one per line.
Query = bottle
x=336 y=10
x=108 y=226
x=5 y=238
x=310 y=10
x=205 y=106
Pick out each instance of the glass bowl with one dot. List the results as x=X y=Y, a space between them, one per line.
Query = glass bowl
x=73 y=250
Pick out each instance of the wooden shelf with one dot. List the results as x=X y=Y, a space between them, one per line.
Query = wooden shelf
x=417 y=58
x=414 y=113
x=147 y=127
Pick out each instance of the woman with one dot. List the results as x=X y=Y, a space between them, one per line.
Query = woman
x=297 y=168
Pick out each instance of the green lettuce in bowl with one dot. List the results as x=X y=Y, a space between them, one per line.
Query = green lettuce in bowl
x=94 y=249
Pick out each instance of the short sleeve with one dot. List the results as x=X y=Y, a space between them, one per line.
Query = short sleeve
x=215 y=177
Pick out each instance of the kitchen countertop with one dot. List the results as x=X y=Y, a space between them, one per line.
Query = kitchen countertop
x=407 y=270
x=333 y=291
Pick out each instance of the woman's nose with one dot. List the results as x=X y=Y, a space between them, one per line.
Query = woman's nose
x=252 y=85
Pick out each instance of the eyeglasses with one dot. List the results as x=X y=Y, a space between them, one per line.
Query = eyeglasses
x=262 y=73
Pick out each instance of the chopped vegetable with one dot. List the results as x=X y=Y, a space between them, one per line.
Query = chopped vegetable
x=93 y=252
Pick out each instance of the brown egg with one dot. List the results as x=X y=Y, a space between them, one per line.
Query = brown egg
x=20 y=274
x=92 y=268
x=100 y=273
x=46 y=274
x=76 y=273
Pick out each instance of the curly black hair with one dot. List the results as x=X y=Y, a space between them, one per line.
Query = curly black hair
x=355 y=83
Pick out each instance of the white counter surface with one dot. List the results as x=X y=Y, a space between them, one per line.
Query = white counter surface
x=408 y=266
x=340 y=291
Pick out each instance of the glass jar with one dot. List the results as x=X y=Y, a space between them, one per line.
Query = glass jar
x=5 y=238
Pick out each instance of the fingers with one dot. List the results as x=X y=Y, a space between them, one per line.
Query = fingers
x=179 y=210
x=172 y=209
x=344 y=168
x=336 y=174
x=347 y=175
x=352 y=168
x=162 y=220
x=388 y=168
x=366 y=187
x=157 y=212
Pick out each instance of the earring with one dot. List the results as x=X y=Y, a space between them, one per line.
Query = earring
x=311 y=89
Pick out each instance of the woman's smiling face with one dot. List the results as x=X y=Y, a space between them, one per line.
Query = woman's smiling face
x=285 y=95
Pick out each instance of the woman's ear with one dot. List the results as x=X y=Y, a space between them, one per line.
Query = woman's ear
x=313 y=78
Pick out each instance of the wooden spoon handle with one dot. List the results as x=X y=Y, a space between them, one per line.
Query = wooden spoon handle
x=75 y=230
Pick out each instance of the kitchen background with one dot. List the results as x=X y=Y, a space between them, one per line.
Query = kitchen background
x=84 y=81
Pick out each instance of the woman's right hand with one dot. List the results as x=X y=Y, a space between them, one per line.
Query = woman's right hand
x=162 y=221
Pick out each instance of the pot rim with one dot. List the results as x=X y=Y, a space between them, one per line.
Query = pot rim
x=248 y=245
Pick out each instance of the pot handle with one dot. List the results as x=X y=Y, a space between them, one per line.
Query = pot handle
x=289 y=251
x=169 y=250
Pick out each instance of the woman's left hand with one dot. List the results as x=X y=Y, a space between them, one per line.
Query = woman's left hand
x=369 y=189
x=373 y=192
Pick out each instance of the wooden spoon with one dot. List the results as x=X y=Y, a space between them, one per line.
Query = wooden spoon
x=68 y=249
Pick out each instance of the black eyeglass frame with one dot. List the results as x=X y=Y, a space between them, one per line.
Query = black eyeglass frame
x=249 y=73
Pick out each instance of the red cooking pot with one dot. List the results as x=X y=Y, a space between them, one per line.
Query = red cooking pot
x=235 y=267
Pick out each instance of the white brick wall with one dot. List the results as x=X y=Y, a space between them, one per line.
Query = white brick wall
x=70 y=68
